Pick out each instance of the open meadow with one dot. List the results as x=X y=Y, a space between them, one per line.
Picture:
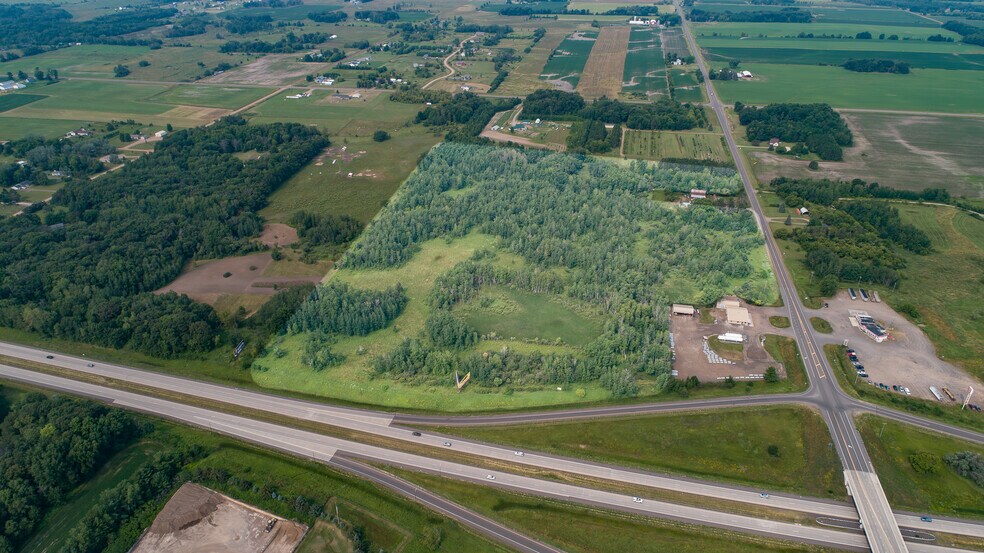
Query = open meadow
x=657 y=145
x=339 y=114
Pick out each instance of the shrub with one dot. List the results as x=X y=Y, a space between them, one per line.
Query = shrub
x=773 y=450
x=814 y=165
x=925 y=462
x=967 y=464
x=380 y=136
x=771 y=375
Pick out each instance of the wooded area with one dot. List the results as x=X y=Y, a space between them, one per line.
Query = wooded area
x=83 y=267
x=817 y=126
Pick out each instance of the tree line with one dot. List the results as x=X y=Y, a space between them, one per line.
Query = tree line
x=30 y=26
x=664 y=114
x=785 y=15
x=971 y=34
x=84 y=267
x=877 y=66
x=821 y=129
x=49 y=447
x=287 y=44
x=463 y=115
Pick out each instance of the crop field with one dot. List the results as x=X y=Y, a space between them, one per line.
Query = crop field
x=674 y=42
x=803 y=56
x=834 y=14
x=943 y=492
x=527 y=318
x=934 y=90
x=228 y=97
x=721 y=446
x=902 y=151
x=645 y=66
x=757 y=31
x=688 y=94
x=567 y=61
x=335 y=114
x=657 y=145
x=10 y=101
x=602 y=74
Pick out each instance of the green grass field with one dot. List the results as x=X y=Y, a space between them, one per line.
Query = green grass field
x=792 y=30
x=568 y=59
x=786 y=351
x=724 y=445
x=934 y=90
x=510 y=313
x=13 y=127
x=57 y=525
x=890 y=444
x=821 y=325
x=227 y=97
x=657 y=145
x=358 y=116
x=97 y=60
x=803 y=56
x=321 y=189
x=779 y=321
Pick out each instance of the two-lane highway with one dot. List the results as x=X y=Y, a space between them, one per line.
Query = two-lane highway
x=869 y=497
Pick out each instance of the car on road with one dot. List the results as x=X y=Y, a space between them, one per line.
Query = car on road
x=49 y=356
x=764 y=495
x=926 y=519
x=447 y=444
x=637 y=499
x=90 y=365
x=490 y=477
x=518 y=453
x=415 y=433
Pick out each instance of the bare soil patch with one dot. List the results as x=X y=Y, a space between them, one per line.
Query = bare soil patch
x=272 y=69
x=206 y=282
x=334 y=154
x=278 y=234
x=199 y=519
x=602 y=75
x=908 y=358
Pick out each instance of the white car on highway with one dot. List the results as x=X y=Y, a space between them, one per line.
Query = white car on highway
x=637 y=499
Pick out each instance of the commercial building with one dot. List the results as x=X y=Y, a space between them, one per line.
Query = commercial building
x=738 y=316
x=732 y=337
x=682 y=309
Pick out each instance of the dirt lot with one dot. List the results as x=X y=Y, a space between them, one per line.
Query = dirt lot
x=689 y=334
x=278 y=234
x=206 y=282
x=602 y=75
x=201 y=520
x=272 y=69
x=908 y=358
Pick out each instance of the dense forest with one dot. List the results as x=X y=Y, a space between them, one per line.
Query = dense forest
x=40 y=25
x=817 y=126
x=463 y=115
x=48 y=447
x=785 y=15
x=591 y=219
x=591 y=135
x=84 y=267
x=333 y=16
x=849 y=239
x=971 y=34
x=287 y=44
x=877 y=66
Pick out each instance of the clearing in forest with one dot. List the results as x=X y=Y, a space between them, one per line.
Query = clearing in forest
x=603 y=72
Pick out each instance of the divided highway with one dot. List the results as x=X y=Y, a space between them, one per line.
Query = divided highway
x=325 y=448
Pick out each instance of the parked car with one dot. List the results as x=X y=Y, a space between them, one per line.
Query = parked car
x=906 y=390
x=862 y=374
x=859 y=367
x=895 y=388
x=850 y=351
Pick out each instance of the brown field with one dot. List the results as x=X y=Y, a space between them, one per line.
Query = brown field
x=278 y=234
x=199 y=519
x=206 y=283
x=602 y=74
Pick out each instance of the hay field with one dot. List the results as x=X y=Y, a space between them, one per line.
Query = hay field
x=602 y=74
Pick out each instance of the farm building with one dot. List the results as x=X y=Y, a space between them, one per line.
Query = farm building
x=773 y=142
x=746 y=74
x=160 y=134
x=732 y=337
x=738 y=316
x=682 y=309
x=804 y=211
x=697 y=194
x=728 y=304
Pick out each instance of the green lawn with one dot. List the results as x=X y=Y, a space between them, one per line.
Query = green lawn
x=323 y=189
x=228 y=97
x=890 y=445
x=509 y=313
x=588 y=530
x=779 y=321
x=57 y=525
x=726 y=445
x=935 y=90
x=785 y=351
x=821 y=325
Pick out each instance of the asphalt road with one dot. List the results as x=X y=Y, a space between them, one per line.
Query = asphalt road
x=379 y=424
x=879 y=524
x=324 y=449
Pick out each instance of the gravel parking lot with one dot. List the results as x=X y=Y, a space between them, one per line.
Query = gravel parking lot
x=908 y=358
